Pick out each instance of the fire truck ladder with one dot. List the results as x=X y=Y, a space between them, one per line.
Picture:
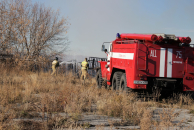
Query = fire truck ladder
x=141 y=59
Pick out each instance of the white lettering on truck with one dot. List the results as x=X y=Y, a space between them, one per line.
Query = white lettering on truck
x=153 y=53
x=178 y=54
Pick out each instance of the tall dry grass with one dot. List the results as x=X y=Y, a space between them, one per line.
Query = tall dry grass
x=42 y=97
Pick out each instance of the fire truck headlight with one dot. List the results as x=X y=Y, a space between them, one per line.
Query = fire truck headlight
x=140 y=82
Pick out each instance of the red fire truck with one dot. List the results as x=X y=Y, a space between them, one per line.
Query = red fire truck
x=148 y=61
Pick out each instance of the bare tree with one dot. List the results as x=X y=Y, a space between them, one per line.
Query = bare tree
x=31 y=30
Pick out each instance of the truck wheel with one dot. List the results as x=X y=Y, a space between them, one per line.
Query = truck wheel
x=116 y=80
x=99 y=79
x=123 y=84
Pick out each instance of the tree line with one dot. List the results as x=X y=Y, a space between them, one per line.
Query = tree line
x=31 y=30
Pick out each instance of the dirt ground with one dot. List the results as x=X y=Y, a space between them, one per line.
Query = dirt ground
x=94 y=121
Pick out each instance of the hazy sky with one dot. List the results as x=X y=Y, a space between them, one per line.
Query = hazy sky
x=96 y=21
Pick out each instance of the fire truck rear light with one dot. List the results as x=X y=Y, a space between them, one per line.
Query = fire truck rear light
x=189 y=78
x=140 y=75
x=140 y=82
x=160 y=38
x=154 y=38
x=188 y=40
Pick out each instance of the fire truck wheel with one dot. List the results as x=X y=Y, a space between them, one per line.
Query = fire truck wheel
x=116 y=80
x=123 y=83
x=99 y=79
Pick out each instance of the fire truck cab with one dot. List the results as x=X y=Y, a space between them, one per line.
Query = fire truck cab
x=148 y=61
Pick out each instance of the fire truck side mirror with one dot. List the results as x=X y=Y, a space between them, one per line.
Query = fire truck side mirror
x=103 y=48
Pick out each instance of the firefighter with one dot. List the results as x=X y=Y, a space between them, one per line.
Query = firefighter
x=55 y=64
x=84 y=69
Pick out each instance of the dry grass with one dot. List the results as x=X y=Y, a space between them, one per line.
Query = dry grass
x=39 y=98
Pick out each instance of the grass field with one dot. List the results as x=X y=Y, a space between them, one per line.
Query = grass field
x=31 y=100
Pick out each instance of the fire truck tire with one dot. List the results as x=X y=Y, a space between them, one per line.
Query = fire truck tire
x=116 y=80
x=123 y=83
x=99 y=79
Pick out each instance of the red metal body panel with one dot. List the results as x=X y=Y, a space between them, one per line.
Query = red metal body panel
x=123 y=58
x=103 y=69
x=188 y=80
x=143 y=60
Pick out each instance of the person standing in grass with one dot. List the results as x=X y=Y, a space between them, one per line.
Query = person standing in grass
x=84 y=69
x=55 y=64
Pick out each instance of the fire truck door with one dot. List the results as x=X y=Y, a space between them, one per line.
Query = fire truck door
x=108 y=61
x=175 y=64
x=109 y=56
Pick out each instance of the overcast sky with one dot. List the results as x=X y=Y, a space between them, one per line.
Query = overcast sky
x=96 y=21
